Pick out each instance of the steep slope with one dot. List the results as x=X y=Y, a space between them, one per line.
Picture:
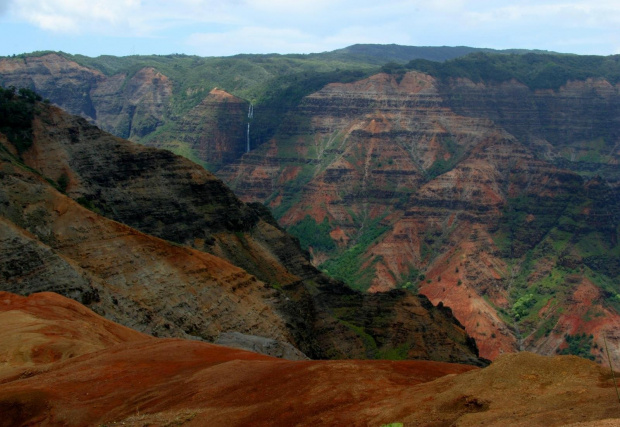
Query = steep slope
x=53 y=243
x=173 y=287
x=213 y=130
x=390 y=186
x=489 y=183
x=46 y=328
x=172 y=101
x=139 y=381
x=127 y=105
x=166 y=101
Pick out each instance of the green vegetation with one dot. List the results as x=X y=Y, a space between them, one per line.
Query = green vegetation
x=537 y=71
x=442 y=165
x=528 y=218
x=274 y=83
x=398 y=353
x=347 y=265
x=382 y=54
x=17 y=109
x=579 y=345
x=522 y=306
x=63 y=183
x=369 y=342
x=555 y=243
x=285 y=92
x=311 y=234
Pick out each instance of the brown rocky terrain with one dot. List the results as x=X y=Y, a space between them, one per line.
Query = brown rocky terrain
x=417 y=191
x=493 y=197
x=575 y=126
x=76 y=368
x=217 y=265
x=131 y=106
x=214 y=130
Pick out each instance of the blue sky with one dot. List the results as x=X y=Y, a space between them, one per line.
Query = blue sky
x=228 y=27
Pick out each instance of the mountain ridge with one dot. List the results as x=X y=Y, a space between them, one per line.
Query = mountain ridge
x=449 y=201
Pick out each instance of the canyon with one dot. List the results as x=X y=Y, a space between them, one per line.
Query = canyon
x=410 y=189
x=155 y=242
x=491 y=197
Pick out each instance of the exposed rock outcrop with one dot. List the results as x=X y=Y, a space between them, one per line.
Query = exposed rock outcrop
x=187 y=280
x=130 y=106
x=495 y=199
x=420 y=191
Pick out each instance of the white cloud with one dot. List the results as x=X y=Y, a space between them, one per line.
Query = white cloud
x=258 y=26
x=562 y=13
x=253 y=40
x=76 y=15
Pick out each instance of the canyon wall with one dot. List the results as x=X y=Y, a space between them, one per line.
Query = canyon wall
x=152 y=240
x=393 y=182
x=496 y=199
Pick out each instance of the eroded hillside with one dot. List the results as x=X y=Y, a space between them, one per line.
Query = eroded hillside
x=390 y=184
x=488 y=183
x=64 y=365
x=157 y=243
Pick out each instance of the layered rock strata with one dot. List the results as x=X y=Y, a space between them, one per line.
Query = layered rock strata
x=216 y=264
x=420 y=191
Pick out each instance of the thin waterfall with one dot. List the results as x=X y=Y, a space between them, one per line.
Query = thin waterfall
x=250 y=117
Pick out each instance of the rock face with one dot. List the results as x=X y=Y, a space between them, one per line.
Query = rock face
x=260 y=345
x=151 y=240
x=216 y=131
x=76 y=368
x=128 y=106
x=495 y=199
x=138 y=106
x=576 y=127
x=394 y=181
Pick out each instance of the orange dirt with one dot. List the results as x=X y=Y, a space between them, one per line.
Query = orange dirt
x=136 y=380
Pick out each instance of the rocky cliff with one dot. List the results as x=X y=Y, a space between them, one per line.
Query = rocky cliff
x=393 y=182
x=576 y=126
x=154 y=241
x=173 y=101
x=130 y=106
x=492 y=190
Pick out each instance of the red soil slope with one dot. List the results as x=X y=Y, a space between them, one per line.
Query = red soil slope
x=136 y=380
x=46 y=327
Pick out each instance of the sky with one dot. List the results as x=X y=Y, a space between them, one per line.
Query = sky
x=229 y=27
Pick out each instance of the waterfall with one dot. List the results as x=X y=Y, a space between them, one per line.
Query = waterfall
x=250 y=117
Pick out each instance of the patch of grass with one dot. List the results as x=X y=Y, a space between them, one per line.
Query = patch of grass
x=369 y=342
x=347 y=265
x=397 y=353
x=441 y=166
